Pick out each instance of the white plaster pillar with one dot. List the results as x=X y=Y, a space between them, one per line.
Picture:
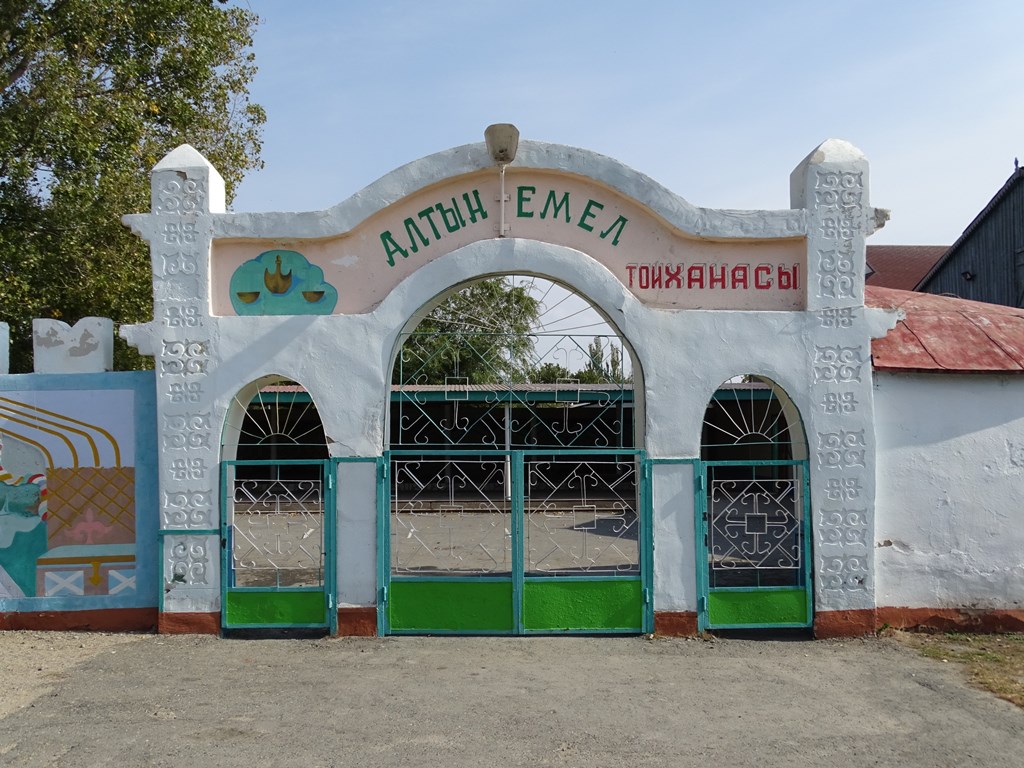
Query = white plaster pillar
x=186 y=189
x=5 y=348
x=832 y=185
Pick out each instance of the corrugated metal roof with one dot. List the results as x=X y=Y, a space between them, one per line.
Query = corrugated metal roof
x=902 y=266
x=946 y=334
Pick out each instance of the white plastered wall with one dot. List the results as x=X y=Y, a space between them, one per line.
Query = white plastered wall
x=949 y=531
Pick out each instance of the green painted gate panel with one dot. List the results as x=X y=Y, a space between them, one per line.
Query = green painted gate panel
x=275 y=608
x=758 y=607
x=554 y=605
x=253 y=603
x=450 y=606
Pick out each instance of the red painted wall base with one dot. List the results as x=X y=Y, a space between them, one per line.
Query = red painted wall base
x=829 y=624
x=675 y=623
x=357 y=622
x=950 y=619
x=362 y=621
x=102 y=620
x=844 y=623
x=189 y=624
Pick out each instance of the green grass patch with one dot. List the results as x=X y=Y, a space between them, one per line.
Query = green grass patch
x=992 y=662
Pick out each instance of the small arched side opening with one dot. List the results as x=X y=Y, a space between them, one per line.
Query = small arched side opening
x=754 y=568
x=514 y=467
x=278 y=510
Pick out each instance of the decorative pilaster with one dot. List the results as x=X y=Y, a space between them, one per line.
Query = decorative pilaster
x=832 y=185
x=186 y=188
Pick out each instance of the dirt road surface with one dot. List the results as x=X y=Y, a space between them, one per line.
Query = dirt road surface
x=143 y=700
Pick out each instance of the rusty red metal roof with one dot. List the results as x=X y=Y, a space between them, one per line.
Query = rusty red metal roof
x=902 y=266
x=940 y=333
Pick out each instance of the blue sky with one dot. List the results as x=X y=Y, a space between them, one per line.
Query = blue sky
x=717 y=101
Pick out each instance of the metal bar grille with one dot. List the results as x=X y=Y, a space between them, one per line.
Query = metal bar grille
x=755 y=531
x=582 y=515
x=275 y=526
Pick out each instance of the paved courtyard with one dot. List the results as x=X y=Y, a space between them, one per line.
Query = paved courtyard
x=99 y=700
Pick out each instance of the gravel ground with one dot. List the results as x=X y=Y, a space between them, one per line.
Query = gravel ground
x=141 y=700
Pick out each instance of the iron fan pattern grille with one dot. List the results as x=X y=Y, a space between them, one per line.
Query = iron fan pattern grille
x=275 y=490
x=755 y=502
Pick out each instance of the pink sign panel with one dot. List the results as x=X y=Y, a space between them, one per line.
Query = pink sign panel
x=353 y=272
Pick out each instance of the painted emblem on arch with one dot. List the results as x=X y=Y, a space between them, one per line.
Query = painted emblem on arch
x=280 y=282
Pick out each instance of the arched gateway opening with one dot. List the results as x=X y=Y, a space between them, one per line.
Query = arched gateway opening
x=277 y=511
x=515 y=484
x=755 y=512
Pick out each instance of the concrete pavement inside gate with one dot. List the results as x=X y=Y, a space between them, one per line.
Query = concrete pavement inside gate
x=285 y=547
x=198 y=700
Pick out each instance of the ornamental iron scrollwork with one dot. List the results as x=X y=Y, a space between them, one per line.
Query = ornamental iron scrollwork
x=755 y=502
x=275 y=488
x=277 y=532
x=582 y=517
x=754 y=524
x=450 y=516
x=512 y=362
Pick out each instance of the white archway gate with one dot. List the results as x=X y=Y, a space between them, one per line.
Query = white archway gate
x=701 y=294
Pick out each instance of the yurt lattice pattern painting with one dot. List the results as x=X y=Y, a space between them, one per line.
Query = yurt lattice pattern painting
x=91 y=505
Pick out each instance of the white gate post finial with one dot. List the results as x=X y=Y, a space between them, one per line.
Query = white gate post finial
x=186 y=182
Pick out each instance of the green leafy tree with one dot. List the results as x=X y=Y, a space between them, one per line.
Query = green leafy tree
x=598 y=370
x=480 y=333
x=550 y=373
x=92 y=94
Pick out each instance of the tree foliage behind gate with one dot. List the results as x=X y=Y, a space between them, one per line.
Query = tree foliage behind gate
x=92 y=95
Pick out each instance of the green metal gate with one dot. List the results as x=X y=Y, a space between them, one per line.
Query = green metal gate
x=754 y=564
x=515 y=542
x=277 y=534
x=513 y=495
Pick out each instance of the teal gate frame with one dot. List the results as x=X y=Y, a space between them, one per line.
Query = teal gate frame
x=517 y=599
x=287 y=578
x=753 y=524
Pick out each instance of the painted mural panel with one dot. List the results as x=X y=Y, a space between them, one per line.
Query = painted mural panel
x=69 y=491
